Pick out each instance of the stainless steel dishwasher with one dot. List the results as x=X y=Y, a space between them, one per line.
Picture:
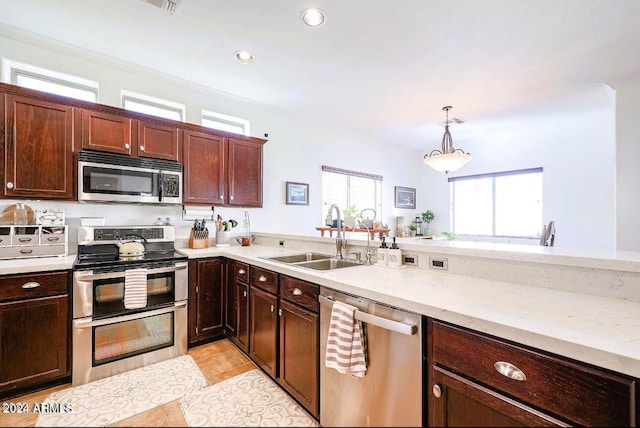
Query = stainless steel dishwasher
x=390 y=393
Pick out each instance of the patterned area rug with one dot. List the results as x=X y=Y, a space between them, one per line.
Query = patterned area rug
x=109 y=400
x=249 y=399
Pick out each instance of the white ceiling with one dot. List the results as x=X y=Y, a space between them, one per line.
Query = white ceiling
x=382 y=67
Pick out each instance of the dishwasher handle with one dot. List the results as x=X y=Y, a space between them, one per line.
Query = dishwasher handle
x=395 y=326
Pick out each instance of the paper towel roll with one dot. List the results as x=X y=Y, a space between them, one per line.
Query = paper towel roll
x=197 y=213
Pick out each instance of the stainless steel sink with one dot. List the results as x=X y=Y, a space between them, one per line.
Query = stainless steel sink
x=329 y=264
x=296 y=258
x=316 y=261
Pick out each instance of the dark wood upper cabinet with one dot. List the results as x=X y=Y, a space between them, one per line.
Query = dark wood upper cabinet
x=119 y=133
x=221 y=170
x=38 y=148
x=245 y=173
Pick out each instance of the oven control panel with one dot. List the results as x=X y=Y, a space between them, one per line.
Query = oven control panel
x=101 y=234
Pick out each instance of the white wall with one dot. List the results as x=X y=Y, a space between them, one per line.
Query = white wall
x=627 y=170
x=573 y=140
x=296 y=149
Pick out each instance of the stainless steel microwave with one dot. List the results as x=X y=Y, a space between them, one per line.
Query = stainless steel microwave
x=106 y=177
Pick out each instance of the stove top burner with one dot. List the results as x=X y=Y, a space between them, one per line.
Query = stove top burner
x=93 y=261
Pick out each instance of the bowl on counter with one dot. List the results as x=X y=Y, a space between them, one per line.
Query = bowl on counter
x=245 y=240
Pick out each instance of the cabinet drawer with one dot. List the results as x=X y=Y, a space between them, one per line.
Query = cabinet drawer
x=241 y=271
x=574 y=391
x=264 y=279
x=17 y=287
x=300 y=292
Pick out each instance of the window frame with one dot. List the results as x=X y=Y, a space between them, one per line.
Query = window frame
x=11 y=70
x=226 y=119
x=493 y=176
x=159 y=103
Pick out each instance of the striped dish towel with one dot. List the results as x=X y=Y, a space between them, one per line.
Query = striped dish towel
x=135 y=288
x=345 y=347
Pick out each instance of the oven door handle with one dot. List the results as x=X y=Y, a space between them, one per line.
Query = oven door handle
x=90 y=323
x=110 y=275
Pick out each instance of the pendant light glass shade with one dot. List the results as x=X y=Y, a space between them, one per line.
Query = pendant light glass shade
x=449 y=158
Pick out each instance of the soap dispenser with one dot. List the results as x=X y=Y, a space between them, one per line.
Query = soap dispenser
x=394 y=258
x=383 y=253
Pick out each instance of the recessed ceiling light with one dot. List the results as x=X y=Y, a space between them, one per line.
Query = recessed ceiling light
x=313 y=16
x=244 y=57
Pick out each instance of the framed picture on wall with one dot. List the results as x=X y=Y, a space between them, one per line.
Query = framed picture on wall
x=297 y=193
x=405 y=197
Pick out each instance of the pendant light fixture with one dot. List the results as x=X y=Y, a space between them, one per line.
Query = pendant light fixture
x=449 y=158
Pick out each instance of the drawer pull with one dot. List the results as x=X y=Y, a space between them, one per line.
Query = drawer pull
x=30 y=284
x=26 y=251
x=24 y=239
x=53 y=238
x=437 y=390
x=297 y=292
x=242 y=271
x=262 y=278
x=510 y=371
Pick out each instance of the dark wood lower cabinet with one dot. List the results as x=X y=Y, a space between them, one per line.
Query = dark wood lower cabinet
x=263 y=334
x=34 y=331
x=207 y=280
x=479 y=380
x=237 y=305
x=298 y=368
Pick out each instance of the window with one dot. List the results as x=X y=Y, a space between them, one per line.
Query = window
x=224 y=122
x=41 y=79
x=153 y=106
x=498 y=204
x=346 y=188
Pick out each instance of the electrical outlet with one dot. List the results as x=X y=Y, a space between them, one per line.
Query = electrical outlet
x=410 y=259
x=438 y=263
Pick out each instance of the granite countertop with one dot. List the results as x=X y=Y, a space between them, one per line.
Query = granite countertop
x=598 y=330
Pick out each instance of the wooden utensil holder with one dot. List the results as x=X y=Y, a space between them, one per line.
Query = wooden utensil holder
x=198 y=243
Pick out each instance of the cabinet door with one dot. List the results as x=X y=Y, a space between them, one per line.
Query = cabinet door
x=203 y=160
x=33 y=342
x=242 y=301
x=107 y=132
x=245 y=173
x=206 y=303
x=457 y=402
x=263 y=334
x=159 y=141
x=39 y=149
x=299 y=358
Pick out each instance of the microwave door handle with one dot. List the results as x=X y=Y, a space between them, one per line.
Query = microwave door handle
x=161 y=185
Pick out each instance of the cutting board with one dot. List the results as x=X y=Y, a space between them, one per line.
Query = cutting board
x=7 y=214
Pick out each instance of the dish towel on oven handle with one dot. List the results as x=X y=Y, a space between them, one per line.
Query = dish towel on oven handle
x=135 y=288
x=345 y=342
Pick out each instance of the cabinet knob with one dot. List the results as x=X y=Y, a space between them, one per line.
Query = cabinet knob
x=262 y=278
x=241 y=271
x=437 y=391
x=30 y=284
x=142 y=148
x=221 y=196
x=272 y=308
x=244 y=294
x=9 y=185
x=510 y=371
x=126 y=146
x=231 y=197
x=297 y=292
x=280 y=312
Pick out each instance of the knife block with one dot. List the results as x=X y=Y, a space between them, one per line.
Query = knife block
x=198 y=242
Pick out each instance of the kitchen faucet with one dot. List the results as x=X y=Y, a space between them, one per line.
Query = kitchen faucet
x=341 y=241
x=368 y=255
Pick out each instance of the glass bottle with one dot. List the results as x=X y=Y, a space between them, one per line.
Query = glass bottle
x=20 y=214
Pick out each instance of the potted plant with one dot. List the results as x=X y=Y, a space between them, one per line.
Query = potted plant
x=412 y=229
x=350 y=215
x=427 y=217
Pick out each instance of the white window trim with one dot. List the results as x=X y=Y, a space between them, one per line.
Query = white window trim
x=160 y=103
x=12 y=69
x=224 y=118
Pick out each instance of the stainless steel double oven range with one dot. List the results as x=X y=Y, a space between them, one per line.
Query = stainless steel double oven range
x=108 y=336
